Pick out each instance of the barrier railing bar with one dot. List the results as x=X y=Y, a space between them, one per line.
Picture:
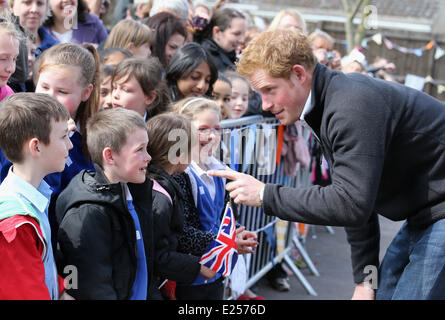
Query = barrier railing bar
x=259 y=263
x=305 y=256
x=299 y=275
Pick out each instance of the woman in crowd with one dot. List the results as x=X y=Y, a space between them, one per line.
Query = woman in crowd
x=169 y=35
x=71 y=22
x=223 y=35
x=32 y=14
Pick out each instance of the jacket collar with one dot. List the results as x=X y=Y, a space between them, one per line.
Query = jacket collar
x=215 y=49
x=320 y=83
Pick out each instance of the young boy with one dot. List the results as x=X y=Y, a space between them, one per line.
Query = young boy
x=35 y=139
x=104 y=216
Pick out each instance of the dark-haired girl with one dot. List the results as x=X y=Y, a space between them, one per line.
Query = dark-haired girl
x=169 y=35
x=191 y=73
x=223 y=35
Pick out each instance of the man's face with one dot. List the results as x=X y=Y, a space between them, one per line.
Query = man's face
x=283 y=97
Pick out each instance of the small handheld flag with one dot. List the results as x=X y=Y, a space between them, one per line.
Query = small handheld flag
x=221 y=256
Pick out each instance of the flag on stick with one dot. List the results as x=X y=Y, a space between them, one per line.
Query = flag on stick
x=221 y=256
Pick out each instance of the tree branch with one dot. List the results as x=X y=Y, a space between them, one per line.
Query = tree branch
x=346 y=6
x=357 y=7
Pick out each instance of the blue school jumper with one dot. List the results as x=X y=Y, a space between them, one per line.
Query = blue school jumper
x=58 y=181
x=209 y=212
x=4 y=166
x=76 y=161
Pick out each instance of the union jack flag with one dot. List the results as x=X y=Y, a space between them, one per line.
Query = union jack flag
x=221 y=256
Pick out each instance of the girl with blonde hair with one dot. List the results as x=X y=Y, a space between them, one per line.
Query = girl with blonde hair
x=204 y=196
x=70 y=74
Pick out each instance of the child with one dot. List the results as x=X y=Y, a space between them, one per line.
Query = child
x=222 y=92
x=9 y=50
x=240 y=95
x=204 y=196
x=37 y=145
x=139 y=85
x=70 y=74
x=167 y=201
x=105 y=99
x=169 y=33
x=191 y=73
x=10 y=39
x=113 y=56
x=105 y=227
x=131 y=35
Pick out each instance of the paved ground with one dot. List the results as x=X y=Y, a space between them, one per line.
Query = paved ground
x=331 y=256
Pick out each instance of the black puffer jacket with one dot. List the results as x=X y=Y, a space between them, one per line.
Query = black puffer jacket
x=97 y=234
x=223 y=60
x=168 y=226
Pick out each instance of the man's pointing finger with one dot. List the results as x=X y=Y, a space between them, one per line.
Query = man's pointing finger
x=227 y=173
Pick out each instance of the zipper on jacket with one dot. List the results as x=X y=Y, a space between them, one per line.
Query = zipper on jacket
x=103 y=188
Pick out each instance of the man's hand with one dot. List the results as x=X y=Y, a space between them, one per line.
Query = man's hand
x=244 y=189
x=363 y=292
x=245 y=240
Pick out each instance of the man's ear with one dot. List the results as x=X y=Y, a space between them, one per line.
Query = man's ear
x=299 y=73
x=87 y=92
x=107 y=156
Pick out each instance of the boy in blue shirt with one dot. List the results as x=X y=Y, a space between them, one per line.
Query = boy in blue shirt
x=104 y=215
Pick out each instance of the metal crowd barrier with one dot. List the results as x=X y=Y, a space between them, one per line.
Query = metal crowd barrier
x=264 y=168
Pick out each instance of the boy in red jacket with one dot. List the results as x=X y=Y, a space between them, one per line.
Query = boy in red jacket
x=35 y=139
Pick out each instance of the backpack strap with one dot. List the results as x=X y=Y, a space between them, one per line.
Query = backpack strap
x=157 y=187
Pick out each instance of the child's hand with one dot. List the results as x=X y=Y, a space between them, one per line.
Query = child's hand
x=207 y=273
x=72 y=125
x=245 y=240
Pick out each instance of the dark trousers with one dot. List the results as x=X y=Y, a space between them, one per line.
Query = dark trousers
x=207 y=291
